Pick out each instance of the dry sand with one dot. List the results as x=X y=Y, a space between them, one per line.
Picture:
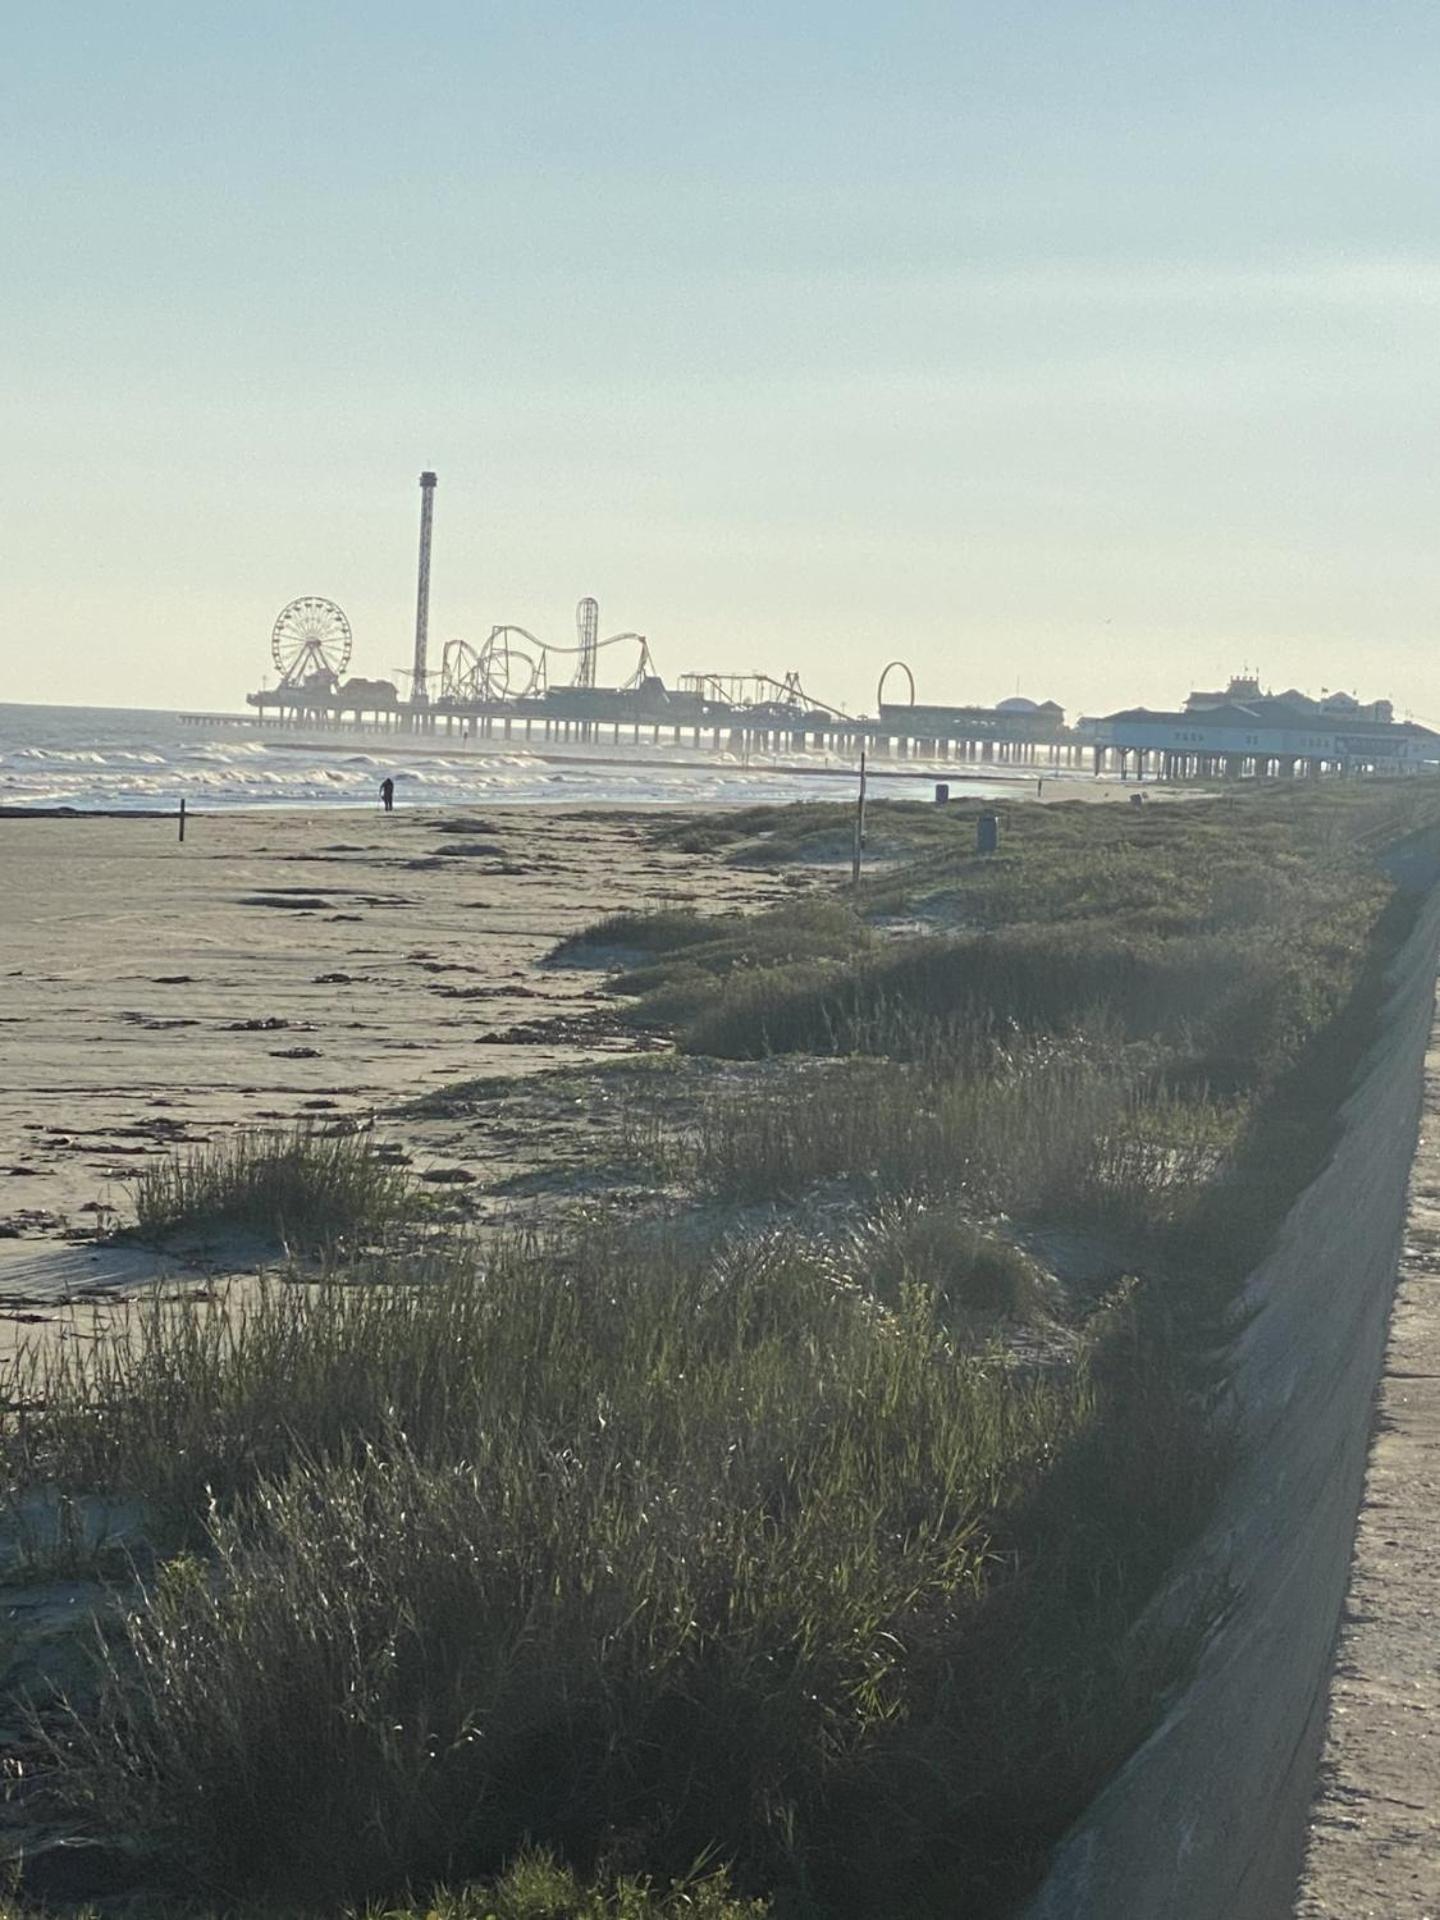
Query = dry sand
x=280 y=967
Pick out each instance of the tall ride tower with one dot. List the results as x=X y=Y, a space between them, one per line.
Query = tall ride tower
x=587 y=626
x=420 y=691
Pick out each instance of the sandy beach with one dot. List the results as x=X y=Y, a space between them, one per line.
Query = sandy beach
x=289 y=966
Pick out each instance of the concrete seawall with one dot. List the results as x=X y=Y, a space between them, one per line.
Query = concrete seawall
x=1374 y=1846
x=1208 y=1820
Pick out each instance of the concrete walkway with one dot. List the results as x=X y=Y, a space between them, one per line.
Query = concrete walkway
x=1374 y=1842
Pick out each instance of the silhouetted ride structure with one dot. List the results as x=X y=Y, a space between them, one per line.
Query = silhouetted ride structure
x=513 y=664
x=310 y=638
x=515 y=686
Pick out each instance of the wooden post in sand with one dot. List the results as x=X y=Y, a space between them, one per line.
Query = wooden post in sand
x=182 y=819
x=859 y=826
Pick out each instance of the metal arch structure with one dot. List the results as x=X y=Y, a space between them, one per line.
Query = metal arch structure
x=748 y=691
x=644 y=666
x=459 y=673
x=511 y=665
x=310 y=637
x=720 y=689
x=514 y=664
x=894 y=666
x=508 y=665
x=789 y=692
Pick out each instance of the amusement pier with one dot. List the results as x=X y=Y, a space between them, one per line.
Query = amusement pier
x=515 y=687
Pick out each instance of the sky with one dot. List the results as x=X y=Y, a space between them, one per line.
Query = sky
x=1082 y=350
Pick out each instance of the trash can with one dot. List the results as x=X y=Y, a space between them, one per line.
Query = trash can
x=987 y=833
x=942 y=794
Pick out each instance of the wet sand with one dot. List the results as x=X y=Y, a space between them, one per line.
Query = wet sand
x=327 y=966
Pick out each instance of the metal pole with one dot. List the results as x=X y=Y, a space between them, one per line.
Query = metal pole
x=859 y=826
x=182 y=819
x=420 y=690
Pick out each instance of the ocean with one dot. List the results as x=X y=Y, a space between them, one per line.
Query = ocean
x=105 y=759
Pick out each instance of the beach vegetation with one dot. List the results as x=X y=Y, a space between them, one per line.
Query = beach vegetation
x=537 y=1886
x=626 y=1543
x=676 y=959
x=964 y=1273
x=663 y=930
x=304 y=1188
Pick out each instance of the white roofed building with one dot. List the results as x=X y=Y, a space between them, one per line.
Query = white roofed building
x=1267 y=736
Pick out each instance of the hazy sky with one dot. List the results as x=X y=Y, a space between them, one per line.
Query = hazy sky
x=1084 y=349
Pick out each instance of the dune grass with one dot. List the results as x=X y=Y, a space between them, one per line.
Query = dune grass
x=1244 y=1003
x=303 y=1188
x=663 y=930
x=1141 y=1024
x=964 y=1273
x=536 y=1887
x=1095 y=854
x=689 y=953
x=635 y=1547
x=1230 y=929
x=994 y=1139
x=764 y=835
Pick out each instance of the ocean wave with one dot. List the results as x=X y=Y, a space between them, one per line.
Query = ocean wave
x=81 y=756
x=98 y=760
x=231 y=749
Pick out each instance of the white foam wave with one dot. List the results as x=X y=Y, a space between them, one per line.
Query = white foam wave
x=99 y=760
x=85 y=758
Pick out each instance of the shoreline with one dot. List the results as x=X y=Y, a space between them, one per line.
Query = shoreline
x=918 y=769
x=63 y=767
x=1068 y=787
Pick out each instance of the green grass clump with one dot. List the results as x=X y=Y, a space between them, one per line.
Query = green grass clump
x=765 y=831
x=538 y=1887
x=638 y=1549
x=1238 y=1007
x=691 y=952
x=301 y=1188
x=965 y=1271
x=666 y=930
x=535 y=1887
x=812 y=926
x=1002 y=1141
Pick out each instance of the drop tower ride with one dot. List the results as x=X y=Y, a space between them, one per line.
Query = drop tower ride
x=420 y=690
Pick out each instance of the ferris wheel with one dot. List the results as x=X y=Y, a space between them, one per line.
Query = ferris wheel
x=311 y=636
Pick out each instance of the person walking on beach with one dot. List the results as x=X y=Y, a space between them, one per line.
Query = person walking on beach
x=387 y=793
